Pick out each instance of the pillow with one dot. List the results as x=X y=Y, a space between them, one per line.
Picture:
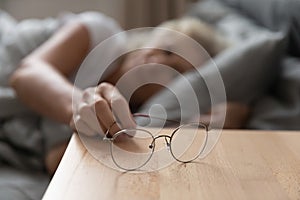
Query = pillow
x=18 y=39
x=247 y=71
x=276 y=15
x=210 y=11
x=247 y=68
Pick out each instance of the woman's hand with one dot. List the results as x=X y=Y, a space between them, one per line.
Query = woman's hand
x=98 y=109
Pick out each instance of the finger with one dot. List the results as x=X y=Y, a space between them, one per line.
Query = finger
x=118 y=105
x=88 y=115
x=89 y=95
x=98 y=111
x=105 y=115
x=81 y=127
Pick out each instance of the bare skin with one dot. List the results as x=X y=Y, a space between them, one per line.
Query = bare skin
x=41 y=82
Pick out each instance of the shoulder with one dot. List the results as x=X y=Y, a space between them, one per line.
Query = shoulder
x=99 y=26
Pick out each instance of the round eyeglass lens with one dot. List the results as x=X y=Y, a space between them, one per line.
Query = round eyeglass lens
x=131 y=148
x=188 y=141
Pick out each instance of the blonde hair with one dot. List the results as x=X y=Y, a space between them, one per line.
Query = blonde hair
x=200 y=31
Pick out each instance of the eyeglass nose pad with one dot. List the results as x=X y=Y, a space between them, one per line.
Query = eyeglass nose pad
x=167 y=143
x=168 y=146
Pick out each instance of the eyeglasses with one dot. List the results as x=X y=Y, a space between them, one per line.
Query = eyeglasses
x=131 y=149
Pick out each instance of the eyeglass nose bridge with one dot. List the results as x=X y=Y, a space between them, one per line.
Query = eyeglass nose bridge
x=152 y=145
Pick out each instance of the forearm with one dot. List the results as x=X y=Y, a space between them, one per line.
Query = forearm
x=44 y=89
x=40 y=81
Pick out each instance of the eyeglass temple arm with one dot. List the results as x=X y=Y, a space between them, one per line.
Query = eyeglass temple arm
x=154 y=117
x=169 y=120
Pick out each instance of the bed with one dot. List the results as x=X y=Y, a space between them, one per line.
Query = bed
x=262 y=69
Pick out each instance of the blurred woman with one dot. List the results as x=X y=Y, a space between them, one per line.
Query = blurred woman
x=43 y=80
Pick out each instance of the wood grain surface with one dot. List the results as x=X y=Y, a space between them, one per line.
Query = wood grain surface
x=243 y=165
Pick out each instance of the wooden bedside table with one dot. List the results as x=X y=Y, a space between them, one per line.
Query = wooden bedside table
x=243 y=165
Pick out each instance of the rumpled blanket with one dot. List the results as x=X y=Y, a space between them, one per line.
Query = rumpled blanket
x=25 y=137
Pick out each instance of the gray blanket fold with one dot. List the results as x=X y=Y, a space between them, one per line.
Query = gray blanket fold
x=24 y=136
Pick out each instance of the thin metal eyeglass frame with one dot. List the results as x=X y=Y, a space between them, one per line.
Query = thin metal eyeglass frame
x=152 y=144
